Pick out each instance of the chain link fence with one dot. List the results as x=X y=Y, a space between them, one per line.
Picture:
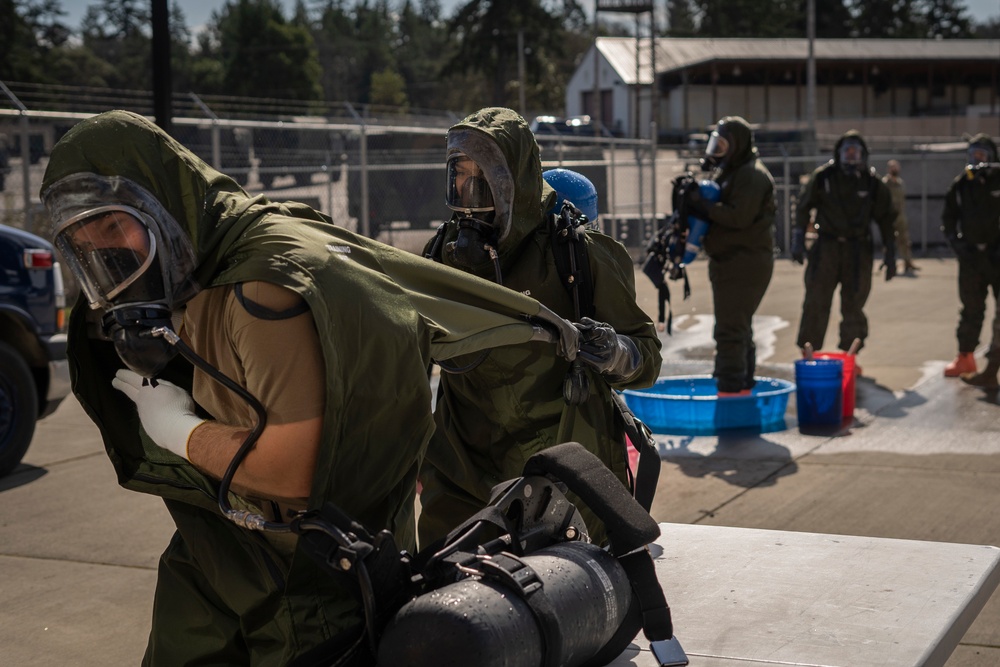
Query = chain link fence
x=380 y=172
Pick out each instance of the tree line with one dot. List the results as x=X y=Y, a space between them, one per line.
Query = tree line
x=406 y=53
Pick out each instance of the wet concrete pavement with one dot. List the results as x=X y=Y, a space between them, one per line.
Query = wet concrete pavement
x=921 y=461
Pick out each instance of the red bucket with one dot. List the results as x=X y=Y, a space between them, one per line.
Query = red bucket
x=849 y=379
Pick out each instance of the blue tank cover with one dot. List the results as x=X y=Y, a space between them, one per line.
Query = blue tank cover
x=710 y=193
x=575 y=187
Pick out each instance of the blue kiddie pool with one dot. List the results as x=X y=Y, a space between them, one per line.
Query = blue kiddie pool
x=690 y=405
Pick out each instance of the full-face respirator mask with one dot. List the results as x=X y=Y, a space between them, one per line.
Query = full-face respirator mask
x=852 y=156
x=480 y=190
x=469 y=195
x=132 y=260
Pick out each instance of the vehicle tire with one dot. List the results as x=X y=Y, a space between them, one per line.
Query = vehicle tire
x=18 y=408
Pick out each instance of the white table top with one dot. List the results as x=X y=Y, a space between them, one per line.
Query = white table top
x=752 y=597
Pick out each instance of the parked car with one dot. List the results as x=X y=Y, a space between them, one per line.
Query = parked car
x=34 y=373
x=574 y=126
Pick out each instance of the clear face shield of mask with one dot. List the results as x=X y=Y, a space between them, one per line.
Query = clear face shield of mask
x=110 y=249
x=133 y=261
x=716 y=149
x=851 y=156
x=979 y=154
x=469 y=194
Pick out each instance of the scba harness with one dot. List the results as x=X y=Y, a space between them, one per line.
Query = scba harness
x=665 y=251
x=516 y=585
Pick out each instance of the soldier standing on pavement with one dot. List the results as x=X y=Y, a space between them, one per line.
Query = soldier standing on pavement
x=970 y=223
x=740 y=248
x=897 y=188
x=847 y=196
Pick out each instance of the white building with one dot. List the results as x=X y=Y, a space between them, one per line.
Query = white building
x=934 y=89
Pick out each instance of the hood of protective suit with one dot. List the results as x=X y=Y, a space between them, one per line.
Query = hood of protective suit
x=742 y=150
x=850 y=134
x=519 y=210
x=382 y=314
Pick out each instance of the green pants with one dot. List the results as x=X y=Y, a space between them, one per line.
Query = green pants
x=977 y=275
x=224 y=596
x=833 y=262
x=739 y=281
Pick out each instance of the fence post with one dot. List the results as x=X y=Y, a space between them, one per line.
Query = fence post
x=216 y=143
x=786 y=166
x=923 y=203
x=613 y=207
x=363 y=225
x=653 y=133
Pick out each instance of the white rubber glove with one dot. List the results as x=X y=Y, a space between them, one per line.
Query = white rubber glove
x=166 y=411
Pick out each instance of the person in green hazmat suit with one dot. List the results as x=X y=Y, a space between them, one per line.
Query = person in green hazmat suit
x=847 y=196
x=330 y=331
x=971 y=224
x=495 y=410
x=740 y=248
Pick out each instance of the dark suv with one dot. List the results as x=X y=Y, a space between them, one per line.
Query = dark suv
x=34 y=373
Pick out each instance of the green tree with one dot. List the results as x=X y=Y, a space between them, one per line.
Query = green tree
x=18 y=46
x=205 y=73
x=32 y=34
x=421 y=45
x=945 y=18
x=375 y=32
x=117 y=31
x=988 y=29
x=833 y=19
x=45 y=19
x=182 y=57
x=354 y=43
x=487 y=35
x=893 y=19
x=263 y=55
x=681 y=18
x=389 y=89
x=748 y=18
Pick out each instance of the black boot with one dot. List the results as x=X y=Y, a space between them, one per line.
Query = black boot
x=987 y=379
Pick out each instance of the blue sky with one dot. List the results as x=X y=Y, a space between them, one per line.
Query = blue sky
x=198 y=12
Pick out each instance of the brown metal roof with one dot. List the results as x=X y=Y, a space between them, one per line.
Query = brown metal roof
x=676 y=53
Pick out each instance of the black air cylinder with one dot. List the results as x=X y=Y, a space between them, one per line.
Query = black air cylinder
x=482 y=623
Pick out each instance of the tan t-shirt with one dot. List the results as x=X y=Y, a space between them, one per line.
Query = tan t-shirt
x=279 y=361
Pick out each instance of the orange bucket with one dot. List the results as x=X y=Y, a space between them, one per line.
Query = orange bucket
x=849 y=382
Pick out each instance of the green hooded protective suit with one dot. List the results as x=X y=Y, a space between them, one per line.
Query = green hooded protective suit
x=739 y=244
x=846 y=202
x=492 y=418
x=382 y=315
x=969 y=223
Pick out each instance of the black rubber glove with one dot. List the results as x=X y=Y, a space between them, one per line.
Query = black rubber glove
x=614 y=356
x=889 y=261
x=798 y=245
